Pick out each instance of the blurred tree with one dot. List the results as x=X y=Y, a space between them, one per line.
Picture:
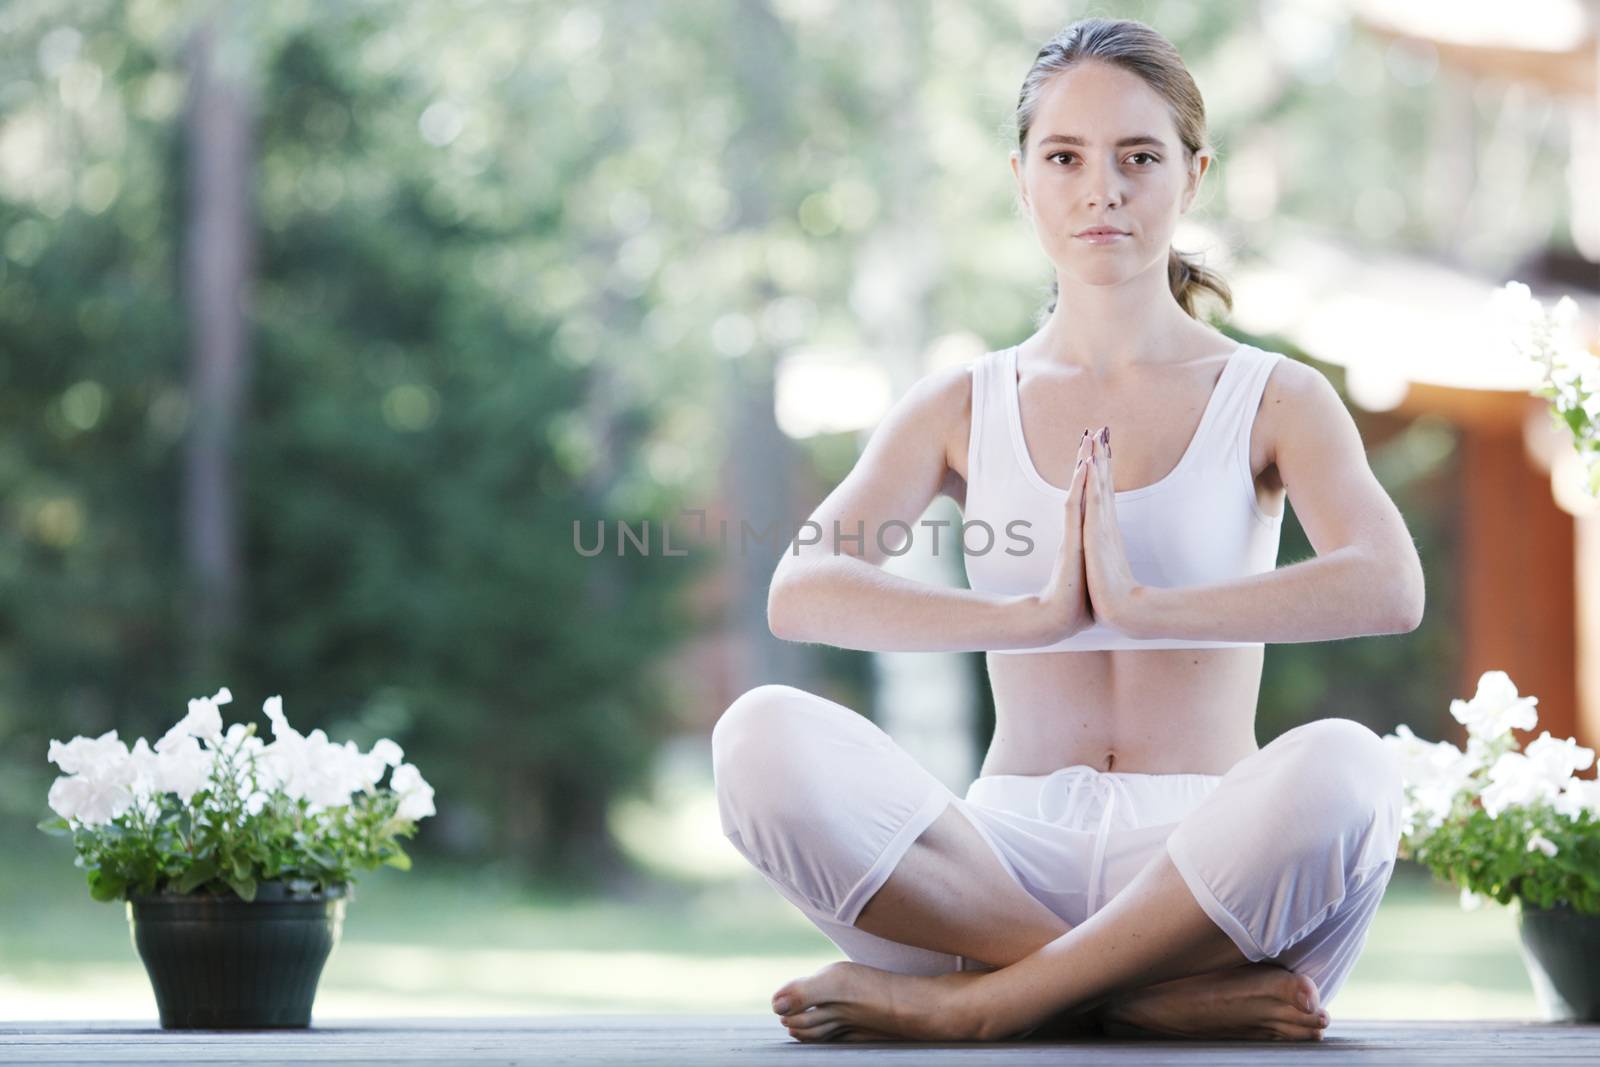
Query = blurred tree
x=524 y=263
x=409 y=471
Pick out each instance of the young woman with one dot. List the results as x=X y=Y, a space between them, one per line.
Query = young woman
x=1128 y=860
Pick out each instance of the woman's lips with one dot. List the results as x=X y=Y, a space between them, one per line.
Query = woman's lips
x=1104 y=237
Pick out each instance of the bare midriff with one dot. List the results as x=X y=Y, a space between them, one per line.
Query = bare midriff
x=1144 y=711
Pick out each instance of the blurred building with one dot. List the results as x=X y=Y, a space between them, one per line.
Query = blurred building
x=1415 y=336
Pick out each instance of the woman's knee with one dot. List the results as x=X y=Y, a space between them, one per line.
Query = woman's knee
x=1345 y=766
x=759 y=758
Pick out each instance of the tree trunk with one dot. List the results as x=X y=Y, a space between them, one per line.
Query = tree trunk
x=217 y=253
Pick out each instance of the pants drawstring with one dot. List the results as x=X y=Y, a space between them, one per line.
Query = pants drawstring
x=1106 y=786
x=1097 y=863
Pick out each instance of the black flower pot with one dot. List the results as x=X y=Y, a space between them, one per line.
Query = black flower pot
x=220 y=962
x=1561 y=948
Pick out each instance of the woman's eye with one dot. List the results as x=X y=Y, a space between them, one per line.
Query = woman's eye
x=1152 y=158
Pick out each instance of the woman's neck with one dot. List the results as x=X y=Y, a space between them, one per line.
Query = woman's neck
x=1109 y=329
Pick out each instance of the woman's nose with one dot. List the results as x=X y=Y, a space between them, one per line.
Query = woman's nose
x=1102 y=185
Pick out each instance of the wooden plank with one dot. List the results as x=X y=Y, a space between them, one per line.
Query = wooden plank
x=725 y=1040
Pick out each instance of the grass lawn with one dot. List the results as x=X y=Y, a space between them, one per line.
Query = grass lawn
x=438 y=941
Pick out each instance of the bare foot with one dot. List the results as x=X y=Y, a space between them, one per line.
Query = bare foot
x=848 y=1001
x=1256 y=1001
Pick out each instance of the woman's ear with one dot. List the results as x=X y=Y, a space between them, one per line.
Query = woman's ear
x=1198 y=165
x=1022 y=187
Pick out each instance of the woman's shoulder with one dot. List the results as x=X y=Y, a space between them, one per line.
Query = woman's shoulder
x=941 y=402
x=946 y=390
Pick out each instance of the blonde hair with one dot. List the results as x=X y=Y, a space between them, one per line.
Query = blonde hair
x=1135 y=47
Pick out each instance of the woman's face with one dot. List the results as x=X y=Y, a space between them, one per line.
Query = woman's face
x=1077 y=175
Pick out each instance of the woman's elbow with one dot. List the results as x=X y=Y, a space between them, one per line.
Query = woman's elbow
x=781 y=610
x=1412 y=606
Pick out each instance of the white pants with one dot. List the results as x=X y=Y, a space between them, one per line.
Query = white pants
x=1289 y=852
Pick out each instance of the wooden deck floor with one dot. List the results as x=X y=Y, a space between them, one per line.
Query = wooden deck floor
x=718 y=1040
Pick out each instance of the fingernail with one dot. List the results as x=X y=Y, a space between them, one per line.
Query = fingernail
x=1105 y=435
x=1305 y=1002
x=781 y=1006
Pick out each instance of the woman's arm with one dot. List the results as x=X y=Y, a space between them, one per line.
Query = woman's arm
x=846 y=602
x=1345 y=593
x=1366 y=577
x=835 y=592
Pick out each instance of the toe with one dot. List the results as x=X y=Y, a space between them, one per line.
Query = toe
x=856 y=1034
x=789 y=998
x=1294 y=1015
x=809 y=1019
x=817 y=1033
x=1284 y=1031
x=1305 y=992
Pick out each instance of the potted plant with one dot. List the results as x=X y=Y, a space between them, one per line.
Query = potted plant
x=235 y=858
x=1569 y=378
x=1514 y=825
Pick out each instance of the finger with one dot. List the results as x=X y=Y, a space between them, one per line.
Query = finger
x=1102 y=469
x=1085 y=444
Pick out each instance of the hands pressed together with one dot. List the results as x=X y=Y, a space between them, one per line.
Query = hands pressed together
x=1091 y=578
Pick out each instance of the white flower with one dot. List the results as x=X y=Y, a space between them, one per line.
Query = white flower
x=273 y=706
x=1515 y=310
x=288 y=762
x=416 y=795
x=1517 y=781
x=390 y=753
x=1559 y=759
x=1434 y=773
x=254 y=802
x=204 y=721
x=182 y=766
x=92 y=801
x=1542 y=843
x=100 y=779
x=93 y=757
x=1579 y=795
x=1564 y=316
x=1470 y=901
x=146 y=770
x=103 y=778
x=1495 y=709
x=316 y=770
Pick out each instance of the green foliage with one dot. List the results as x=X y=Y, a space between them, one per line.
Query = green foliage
x=1490 y=857
x=1499 y=856
x=215 y=844
x=412 y=454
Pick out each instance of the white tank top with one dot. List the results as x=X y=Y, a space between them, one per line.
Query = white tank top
x=1198 y=525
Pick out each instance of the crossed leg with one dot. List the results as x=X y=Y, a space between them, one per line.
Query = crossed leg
x=1293 y=852
x=950 y=894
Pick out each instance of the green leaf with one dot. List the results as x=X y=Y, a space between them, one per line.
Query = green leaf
x=399 y=859
x=199 y=873
x=56 y=827
x=103 y=886
x=245 y=887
